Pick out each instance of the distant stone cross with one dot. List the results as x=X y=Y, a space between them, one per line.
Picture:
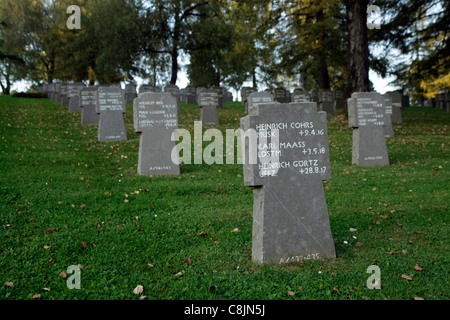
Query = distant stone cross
x=326 y=100
x=366 y=115
x=111 y=107
x=290 y=216
x=256 y=98
x=208 y=101
x=73 y=91
x=156 y=117
x=88 y=100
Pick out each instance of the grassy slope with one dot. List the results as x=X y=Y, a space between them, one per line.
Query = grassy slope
x=127 y=230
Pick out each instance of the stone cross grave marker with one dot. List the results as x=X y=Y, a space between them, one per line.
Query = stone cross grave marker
x=314 y=94
x=290 y=216
x=208 y=100
x=149 y=88
x=130 y=92
x=438 y=98
x=220 y=97
x=396 y=98
x=156 y=117
x=88 y=100
x=256 y=98
x=64 y=99
x=339 y=99
x=447 y=101
x=73 y=91
x=279 y=94
x=57 y=92
x=175 y=91
x=300 y=96
x=245 y=92
x=388 y=130
x=326 y=101
x=191 y=94
x=366 y=114
x=227 y=96
x=110 y=104
x=51 y=89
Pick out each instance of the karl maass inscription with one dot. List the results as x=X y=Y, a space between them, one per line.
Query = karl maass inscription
x=286 y=160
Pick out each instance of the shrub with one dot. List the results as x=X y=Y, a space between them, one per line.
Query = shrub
x=29 y=94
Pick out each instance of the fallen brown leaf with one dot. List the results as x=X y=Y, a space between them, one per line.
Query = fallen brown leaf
x=359 y=244
x=179 y=274
x=335 y=289
x=36 y=296
x=235 y=230
x=417 y=268
x=188 y=260
x=84 y=244
x=291 y=293
x=404 y=276
x=203 y=233
x=9 y=284
x=63 y=274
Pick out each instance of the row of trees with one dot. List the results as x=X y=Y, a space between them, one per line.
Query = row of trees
x=306 y=43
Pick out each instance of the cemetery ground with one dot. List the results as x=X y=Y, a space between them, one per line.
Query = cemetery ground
x=68 y=199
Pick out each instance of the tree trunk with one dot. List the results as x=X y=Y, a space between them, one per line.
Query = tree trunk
x=324 y=77
x=358 y=47
x=7 y=87
x=174 y=54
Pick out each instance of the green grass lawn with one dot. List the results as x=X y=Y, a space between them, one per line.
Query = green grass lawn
x=68 y=199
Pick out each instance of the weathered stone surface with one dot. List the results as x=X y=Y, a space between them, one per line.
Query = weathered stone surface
x=300 y=96
x=110 y=104
x=73 y=90
x=290 y=216
x=156 y=117
x=314 y=95
x=191 y=94
x=339 y=99
x=245 y=92
x=279 y=94
x=88 y=100
x=130 y=92
x=208 y=100
x=326 y=101
x=256 y=98
x=175 y=91
x=63 y=98
x=366 y=115
x=388 y=130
